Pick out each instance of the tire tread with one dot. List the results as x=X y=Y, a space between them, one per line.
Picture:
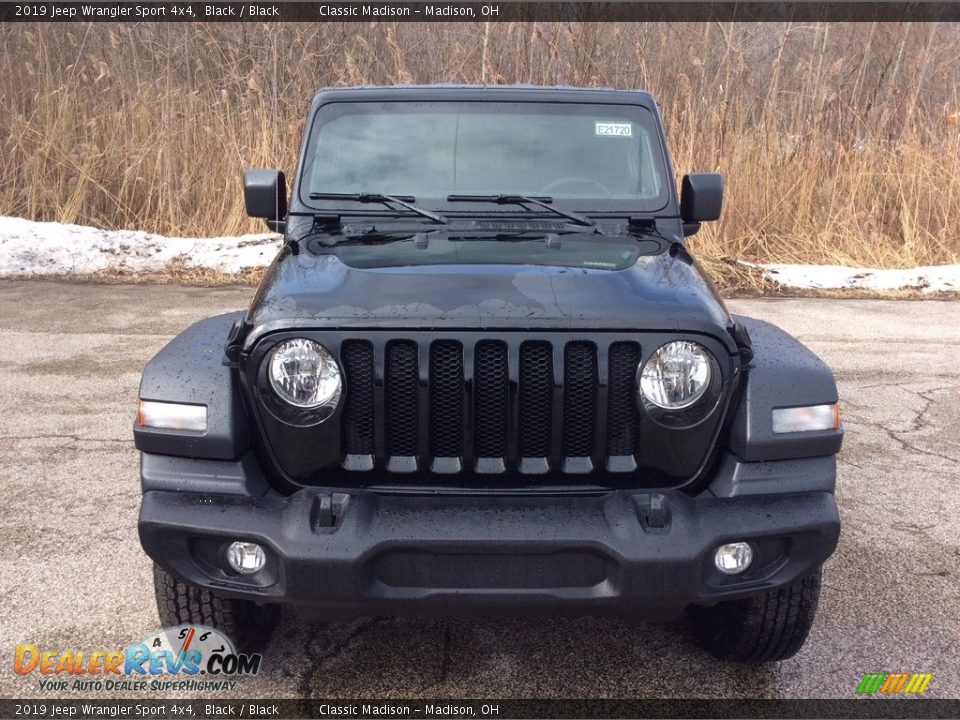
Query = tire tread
x=247 y=624
x=767 y=627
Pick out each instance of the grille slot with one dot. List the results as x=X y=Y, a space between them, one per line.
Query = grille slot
x=357 y=358
x=491 y=399
x=446 y=399
x=622 y=417
x=536 y=399
x=579 y=399
x=401 y=398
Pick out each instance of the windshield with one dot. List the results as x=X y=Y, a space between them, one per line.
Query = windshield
x=594 y=157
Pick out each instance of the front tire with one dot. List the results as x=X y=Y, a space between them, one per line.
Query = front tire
x=247 y=624
x=764 y=628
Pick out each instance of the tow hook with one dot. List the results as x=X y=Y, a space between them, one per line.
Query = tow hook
x=653 y=512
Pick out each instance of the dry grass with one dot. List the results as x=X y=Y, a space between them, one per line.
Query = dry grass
x=840 y=143
x=174 y=274
x=735 y=280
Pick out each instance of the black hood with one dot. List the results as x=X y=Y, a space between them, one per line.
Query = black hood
x=661 y=291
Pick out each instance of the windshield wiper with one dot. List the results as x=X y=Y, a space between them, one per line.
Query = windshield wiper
x=543 y=202
x=402 y=200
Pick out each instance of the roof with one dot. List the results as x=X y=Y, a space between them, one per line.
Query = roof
x=531 y=93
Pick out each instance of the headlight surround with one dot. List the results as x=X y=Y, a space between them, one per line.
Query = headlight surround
x=677 y=376
x=304 y=375
x=680 y=385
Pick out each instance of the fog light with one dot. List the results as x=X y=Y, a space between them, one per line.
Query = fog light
x=246 y=557
x=733 y=558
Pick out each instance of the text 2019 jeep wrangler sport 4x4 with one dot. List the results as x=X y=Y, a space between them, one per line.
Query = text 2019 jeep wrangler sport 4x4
x=485 y=375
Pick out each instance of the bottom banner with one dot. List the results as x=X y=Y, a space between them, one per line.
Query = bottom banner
x=451 y=709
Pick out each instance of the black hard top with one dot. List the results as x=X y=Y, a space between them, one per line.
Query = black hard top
x=502 y=93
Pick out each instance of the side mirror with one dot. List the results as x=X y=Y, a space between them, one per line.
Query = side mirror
x=265 y=195
x=701 y=200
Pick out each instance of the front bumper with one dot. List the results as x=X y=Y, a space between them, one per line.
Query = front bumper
x=630 y=553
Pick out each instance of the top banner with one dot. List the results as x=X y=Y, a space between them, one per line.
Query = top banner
x=82 y=12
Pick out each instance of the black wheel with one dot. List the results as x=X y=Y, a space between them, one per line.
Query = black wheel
x=768 y=627
x=247 y=624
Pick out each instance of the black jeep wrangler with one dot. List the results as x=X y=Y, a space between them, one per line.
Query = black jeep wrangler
x=484 y=375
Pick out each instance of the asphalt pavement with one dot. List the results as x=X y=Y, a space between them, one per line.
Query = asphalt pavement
x=73 y=577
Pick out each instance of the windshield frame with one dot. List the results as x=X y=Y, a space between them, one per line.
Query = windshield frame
x=665 y=201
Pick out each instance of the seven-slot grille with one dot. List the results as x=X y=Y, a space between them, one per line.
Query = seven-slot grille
x=491 y=406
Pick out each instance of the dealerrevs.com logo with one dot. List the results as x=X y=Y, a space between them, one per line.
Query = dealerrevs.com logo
x=186 y=657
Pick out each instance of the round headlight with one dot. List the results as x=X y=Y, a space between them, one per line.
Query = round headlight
x=303 y=374
x=676 y=376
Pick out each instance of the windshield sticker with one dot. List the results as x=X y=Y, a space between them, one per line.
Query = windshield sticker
x=614 y=129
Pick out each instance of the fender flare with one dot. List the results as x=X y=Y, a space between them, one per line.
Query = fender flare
x=783 y=373
x=193 y=369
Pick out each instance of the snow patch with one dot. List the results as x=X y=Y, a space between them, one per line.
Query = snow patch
x=930 y=279
x=48 y=248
